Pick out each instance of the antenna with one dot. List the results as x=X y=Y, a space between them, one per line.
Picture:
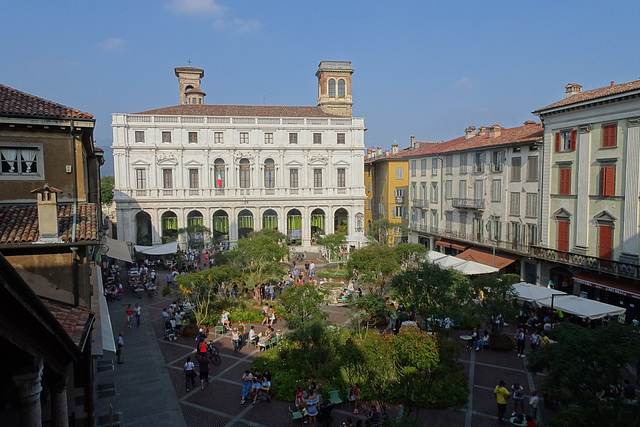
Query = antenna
x=189 y=62
x=264 y=99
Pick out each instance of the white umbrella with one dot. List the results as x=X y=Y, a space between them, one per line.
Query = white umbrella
x=530 y=292
x=582 y=307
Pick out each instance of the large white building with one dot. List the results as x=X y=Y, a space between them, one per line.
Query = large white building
x=237 y=168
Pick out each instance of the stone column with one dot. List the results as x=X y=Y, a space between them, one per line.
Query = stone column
x=305 y=212
x=59 y=408
x=632 y=174
x=28 y=381
x=582 y=190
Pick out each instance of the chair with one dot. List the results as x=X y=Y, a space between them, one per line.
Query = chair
x=334 y=397
x=295 y=415
x=219 y=329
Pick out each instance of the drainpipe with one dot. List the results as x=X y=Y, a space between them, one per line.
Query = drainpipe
x=74 y=249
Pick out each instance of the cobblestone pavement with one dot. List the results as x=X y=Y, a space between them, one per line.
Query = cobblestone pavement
x=219 y=404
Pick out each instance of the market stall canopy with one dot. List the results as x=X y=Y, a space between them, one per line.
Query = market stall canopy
x=530 y=292
x=582 y=307
x=117 y=249
x=469 y=268
x=487 y=257
x=166 y=249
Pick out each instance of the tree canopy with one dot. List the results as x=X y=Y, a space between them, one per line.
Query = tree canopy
x=375 y=264
x=379 y=231
x=107 y=184
x=410 y=254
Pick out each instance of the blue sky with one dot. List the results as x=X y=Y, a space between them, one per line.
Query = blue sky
x=423 y=68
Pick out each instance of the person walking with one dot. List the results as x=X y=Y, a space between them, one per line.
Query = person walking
x=203 y=364
x=502 y=394
x=129 y=312
x=120 y=350
x=200 y=338
x=138 y=311
x=189 y=373
x=235 y=337
x=520 y=342
x=518 y=398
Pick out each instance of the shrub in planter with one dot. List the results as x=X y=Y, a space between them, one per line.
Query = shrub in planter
x=166 y=291
x=189 y=331
x=501 y=342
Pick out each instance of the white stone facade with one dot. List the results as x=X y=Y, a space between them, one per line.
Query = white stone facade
x=295 y=168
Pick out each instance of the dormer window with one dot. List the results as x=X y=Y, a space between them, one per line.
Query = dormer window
x=332 y=88
x=341 y=88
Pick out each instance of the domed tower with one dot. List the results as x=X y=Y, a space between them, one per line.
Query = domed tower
x=334 y=87
x=189 y=80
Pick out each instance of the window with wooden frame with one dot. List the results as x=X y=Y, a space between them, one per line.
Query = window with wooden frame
x=139 y=136
x=609 y=134
x=293 y=138
x=244 y=137
x=194 y=178
x=516 y=169
x=340 y=138
x=564 y=180
x=293 y=178
x=317 y=138
x=566 y=140
x=193 y=137
x=608 y=180
x=268 y=138
x=218 y=137
x=166 y=137
x=563 y=234
x=532 y=168
x=317 y=178
x=342 y=177
x=605 y=240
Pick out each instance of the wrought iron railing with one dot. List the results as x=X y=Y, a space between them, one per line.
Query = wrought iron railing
x=467 y=203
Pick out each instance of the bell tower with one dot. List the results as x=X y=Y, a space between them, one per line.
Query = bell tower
x=189 y=80
x=334 y=87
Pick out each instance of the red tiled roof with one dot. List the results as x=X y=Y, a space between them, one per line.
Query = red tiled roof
x=14 y=103
x=594 y=94
x=521 y=134
x=19 y=224
x=239 y=111
x=74 y=320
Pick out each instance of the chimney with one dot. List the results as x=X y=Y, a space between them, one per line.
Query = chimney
x=529 y=122
x=612 y=83
x=386 y=153
x=394 y=148
x=47 y=212
x=470 y=132
x=413 y=141
x=379 y=151
x=494 y=131
x=571 y=89
x=482 y=130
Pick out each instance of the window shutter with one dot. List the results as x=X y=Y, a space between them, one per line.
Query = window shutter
x=563 y=235
x=558 y=138
x=565 y=181
x=608 y=180
x=605 y=244
x=572 y=142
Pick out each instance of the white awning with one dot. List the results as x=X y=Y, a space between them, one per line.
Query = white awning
x=530 y=292
x=117 y=249
x=582 y=307
x=168 y=248
x=468 y=268
x=106 y=331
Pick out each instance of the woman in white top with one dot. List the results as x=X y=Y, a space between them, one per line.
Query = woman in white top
x=189 y=373
x=235 y=337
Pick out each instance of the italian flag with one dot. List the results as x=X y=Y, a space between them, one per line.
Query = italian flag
x=219 y=180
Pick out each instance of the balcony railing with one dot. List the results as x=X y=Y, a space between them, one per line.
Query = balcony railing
x=588 y=262
x=468 y=203
x=421 y=203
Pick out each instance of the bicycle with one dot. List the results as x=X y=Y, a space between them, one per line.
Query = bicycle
x=213 y=354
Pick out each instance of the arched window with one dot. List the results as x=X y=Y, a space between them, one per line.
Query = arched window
x=245 y=173
x=332 y=88
x=219 y=177
x=269 y=174
x=341 y=88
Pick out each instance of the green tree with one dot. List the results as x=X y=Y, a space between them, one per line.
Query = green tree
x=332 y=242
x=369 y=310
x=379 y=231
x=259 y=255
x=497 y=295
x=434 y=291
x=581 y=363
x=376 y=264
x=411 y=255
x=106 y=189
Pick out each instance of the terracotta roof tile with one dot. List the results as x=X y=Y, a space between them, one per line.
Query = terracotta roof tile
x=527 y=133
x=594 y=94
x=239 y=111
x=74 y=320
x=14 y=103
x=19 y=224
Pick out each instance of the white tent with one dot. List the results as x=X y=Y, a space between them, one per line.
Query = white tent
x=581 y=307
x=469 y=268
x=530 y=292
x=116 y=249
x=168 y=248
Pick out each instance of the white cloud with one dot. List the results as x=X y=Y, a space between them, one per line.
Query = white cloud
x=112 y=44
x=464 y=83
x=188 y=7
x=237 y=25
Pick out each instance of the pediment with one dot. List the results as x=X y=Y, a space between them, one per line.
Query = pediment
x=562 y=213
x=193 y=163
x=140 y=162
x=605 y=216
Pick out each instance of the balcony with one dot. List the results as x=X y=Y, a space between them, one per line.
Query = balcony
x=420 y=203
x=400 y=200
x=600 y=265
x=468 y=203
